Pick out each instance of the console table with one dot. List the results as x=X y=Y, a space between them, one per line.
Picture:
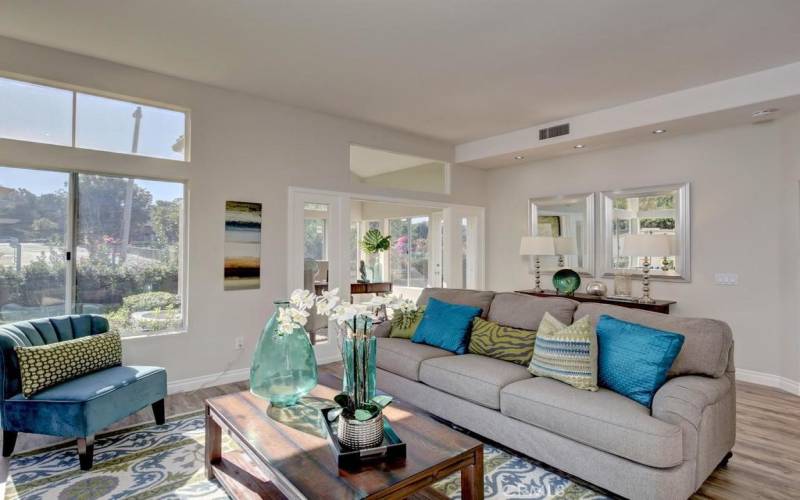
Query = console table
x=659 y=306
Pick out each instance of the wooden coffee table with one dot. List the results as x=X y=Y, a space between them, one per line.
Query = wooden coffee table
x=285 y=453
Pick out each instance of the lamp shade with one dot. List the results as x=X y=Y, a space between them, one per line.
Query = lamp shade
x=537 y=245
x=646 y=245
x=566 y=245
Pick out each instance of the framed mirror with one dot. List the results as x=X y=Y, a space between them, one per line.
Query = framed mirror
x=660 y=210
x=570 y=221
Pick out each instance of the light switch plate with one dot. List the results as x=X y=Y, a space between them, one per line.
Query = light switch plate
x=726 y=279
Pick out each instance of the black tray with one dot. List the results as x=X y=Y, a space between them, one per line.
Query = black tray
x=392 y=447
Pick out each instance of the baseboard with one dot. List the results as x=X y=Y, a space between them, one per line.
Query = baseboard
x=194 y=383
x=768 y=379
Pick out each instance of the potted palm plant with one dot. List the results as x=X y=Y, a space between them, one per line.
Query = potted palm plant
x=373 y=243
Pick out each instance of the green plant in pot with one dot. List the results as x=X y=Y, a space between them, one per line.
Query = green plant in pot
x=373 y=243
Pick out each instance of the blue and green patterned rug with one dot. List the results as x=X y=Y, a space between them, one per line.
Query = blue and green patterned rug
x=166 y=462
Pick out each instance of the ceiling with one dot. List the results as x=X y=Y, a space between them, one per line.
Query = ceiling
x=455 y=70
x=369 y=162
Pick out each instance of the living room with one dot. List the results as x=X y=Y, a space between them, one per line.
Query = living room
x=464 y=134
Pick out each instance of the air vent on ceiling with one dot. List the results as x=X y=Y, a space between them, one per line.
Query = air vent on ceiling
x=554 y=131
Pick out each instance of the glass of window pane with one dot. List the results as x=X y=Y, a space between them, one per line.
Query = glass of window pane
x=418 y=253
x=315 y=264
x=398 y=252
x=36 y=113
x=125 y=127
x=129 y=253
x=33 y=225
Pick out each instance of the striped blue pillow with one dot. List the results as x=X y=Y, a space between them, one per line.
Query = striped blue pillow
x=566 y=353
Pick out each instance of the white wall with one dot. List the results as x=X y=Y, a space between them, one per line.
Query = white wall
x=790 y=253
x=745 y=219
x=243 y=148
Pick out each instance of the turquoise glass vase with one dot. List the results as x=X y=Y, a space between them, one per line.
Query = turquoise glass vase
x=284 y=367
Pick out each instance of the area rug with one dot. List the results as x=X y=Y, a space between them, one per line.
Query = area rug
x=166 y=462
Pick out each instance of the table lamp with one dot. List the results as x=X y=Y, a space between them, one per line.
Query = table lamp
x=565 y=245
x=646 y=245
x=537 y=246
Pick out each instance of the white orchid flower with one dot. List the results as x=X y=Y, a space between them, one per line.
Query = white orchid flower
x=302 y=299
x=328 y=301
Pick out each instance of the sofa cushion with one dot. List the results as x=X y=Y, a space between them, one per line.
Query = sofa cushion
x=44 y=366
x=604 y=420
x=634 y=359
x=405 y=323
x=475 y=298
x=84 y=405
x=522 y=311
x=566 y=353
x=472 y=377
x=707 y=342
x=501 y=342
x=446 y=325
x=403 y=357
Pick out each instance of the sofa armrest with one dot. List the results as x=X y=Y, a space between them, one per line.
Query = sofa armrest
x=685 y=398
x=382 y=329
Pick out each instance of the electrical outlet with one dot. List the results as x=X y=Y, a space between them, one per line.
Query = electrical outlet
x=238 y=343
x=726 y=279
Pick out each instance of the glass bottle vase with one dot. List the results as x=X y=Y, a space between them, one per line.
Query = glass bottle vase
x=284 y=366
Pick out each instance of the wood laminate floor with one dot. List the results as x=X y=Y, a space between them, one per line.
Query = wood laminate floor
x=765 y=464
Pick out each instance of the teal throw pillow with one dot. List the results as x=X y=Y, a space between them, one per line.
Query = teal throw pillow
x=446 y=326
x=634 y=359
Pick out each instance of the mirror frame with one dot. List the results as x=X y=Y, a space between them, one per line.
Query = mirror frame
x=589 y=266
x=683 y=219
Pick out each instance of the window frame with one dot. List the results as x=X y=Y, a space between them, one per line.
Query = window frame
x=76 y=89
x=410 y=219
x=71 y=242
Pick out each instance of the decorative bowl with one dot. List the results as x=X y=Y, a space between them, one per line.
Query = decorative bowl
x=596 y=288
x=566 y=281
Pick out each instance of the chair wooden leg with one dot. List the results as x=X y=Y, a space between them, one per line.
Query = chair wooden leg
x=9 y=440
x=724 y=462
x=158 y=412
x=86 y=452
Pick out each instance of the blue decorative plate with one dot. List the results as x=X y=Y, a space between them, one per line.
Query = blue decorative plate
x=566 y=281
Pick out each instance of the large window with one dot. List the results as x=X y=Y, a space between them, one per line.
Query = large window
x=125 y=254
x=53 y=115
x=408 y=257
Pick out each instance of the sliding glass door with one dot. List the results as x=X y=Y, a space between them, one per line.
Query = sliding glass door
x=34 y=228
x=85 y=243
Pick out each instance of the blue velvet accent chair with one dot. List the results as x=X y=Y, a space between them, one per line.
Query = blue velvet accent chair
x=78 y=407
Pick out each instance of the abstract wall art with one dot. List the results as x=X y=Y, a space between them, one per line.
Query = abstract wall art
x=242 y=245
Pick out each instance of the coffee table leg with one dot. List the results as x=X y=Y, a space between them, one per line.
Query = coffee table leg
x=472 y=477
x=213 y=443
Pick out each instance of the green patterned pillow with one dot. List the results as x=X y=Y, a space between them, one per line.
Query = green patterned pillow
x=566 y=353
x=405 y=323
x=44 y=366
x=501 y=342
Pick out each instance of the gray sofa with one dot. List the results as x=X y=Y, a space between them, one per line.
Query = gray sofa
x=601 y=437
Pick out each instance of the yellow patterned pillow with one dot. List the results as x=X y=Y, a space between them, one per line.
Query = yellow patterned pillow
x=566 y=353
x=501 y=342
x=44 y=366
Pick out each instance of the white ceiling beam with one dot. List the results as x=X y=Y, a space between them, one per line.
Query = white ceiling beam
x=710 y=104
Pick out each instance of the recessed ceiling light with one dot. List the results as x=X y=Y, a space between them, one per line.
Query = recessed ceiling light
x=659 y=131
x=579 y=146
x=519 y=157
x=765 y=112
